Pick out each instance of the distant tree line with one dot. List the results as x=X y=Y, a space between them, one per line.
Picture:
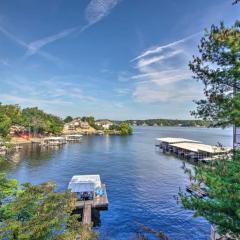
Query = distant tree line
x=170 y=122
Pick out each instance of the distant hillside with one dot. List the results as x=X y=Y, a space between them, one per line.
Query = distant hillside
x=169 y=122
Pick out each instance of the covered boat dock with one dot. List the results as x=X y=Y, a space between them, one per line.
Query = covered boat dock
x=166 y=143
x=91 y=193
x=74 y=138
x=191 y=149
x=53 y=141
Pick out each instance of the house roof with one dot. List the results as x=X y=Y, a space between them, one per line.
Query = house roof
x=74 y=135
x=104 y=121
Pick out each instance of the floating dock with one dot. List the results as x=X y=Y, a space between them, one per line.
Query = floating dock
x=91 y=194
x=73 y=138
x=53 y=141
x=191 y=149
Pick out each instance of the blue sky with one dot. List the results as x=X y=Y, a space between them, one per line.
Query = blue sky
x=117 y=59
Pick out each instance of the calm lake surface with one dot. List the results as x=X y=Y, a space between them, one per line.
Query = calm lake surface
x=141 y=181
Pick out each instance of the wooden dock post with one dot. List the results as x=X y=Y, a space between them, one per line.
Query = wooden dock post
x=87 y=212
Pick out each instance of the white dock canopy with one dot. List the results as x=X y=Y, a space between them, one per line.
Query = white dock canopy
x=170 y=140
x=199 y=147
x=74 y=135
x=54 y=138
x=84 y=183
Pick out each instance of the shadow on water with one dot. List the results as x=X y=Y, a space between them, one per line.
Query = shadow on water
x=95 y=216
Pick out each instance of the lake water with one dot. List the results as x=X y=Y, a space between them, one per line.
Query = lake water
x=141 y=181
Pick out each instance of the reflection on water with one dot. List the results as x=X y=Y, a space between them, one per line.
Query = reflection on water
x=141 y=182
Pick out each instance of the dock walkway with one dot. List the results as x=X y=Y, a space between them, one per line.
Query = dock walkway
x=87 y=212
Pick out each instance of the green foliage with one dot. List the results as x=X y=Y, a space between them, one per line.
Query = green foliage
x=14 y=112
x=114 y=127
x=98 y=127
x=125 y=129
x=41 y=122
x=90 y=120
x=68 y=119
x=218 y=67
x=236 y=2
x=5 y=124
x=222 y=206
x=33 y=118
x=9 y=115
x=38 y=212
x=8 y=187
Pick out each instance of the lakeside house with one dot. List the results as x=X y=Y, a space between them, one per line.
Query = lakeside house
x=77 y=126
x=18 y=130
x=104 y=123
x=84 y=125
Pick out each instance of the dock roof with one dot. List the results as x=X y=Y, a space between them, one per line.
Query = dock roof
x=170 y=140
x=74 y=135
x=199 y=147
x=84 y=183
x=54 y=138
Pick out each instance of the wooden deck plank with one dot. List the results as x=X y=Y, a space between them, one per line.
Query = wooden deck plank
x=87 y=212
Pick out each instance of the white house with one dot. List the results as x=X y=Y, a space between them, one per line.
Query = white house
x=104 y=123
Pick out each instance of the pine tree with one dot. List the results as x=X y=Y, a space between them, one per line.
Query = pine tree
x=218 y=67
x=222 y=204
x=37 y=212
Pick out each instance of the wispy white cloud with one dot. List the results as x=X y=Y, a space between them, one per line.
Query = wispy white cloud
x=143 y=62
x=98 y=9
x=159 y=49
x=163 y=74
x=123 y=76
x=31 y=101
x=122 y=91
x=41 y=93
x=23 y=44
x=12 y=37
x=151 y=93
x=34 y=47
x=95 y=11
